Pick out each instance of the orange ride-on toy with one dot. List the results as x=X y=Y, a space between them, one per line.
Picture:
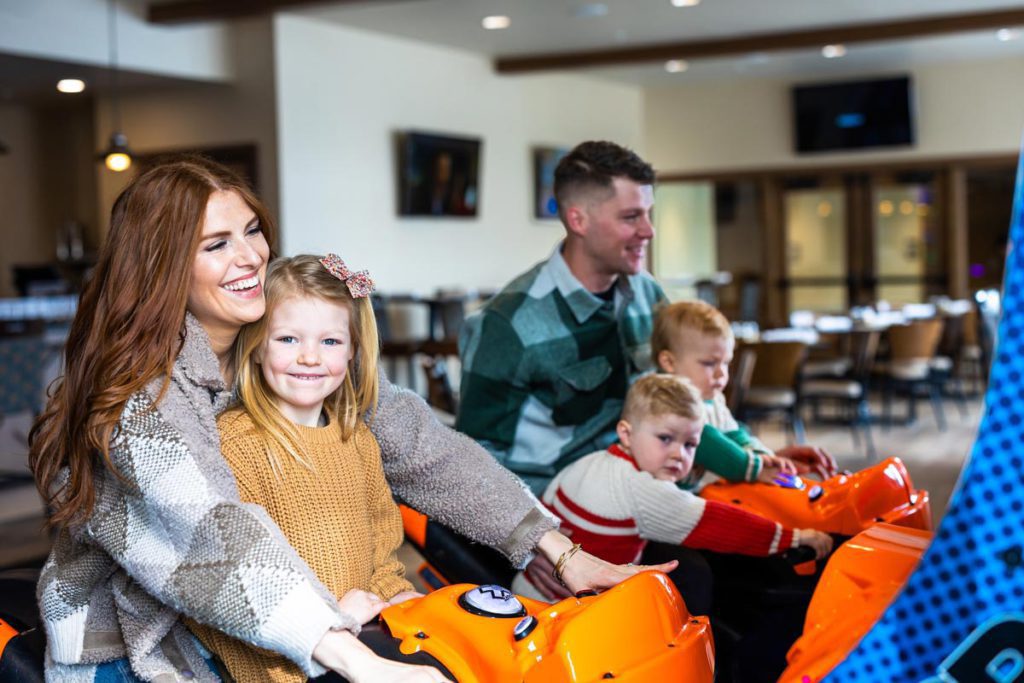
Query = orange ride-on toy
x=861 y=579
x=845 y=504
x=638 y=631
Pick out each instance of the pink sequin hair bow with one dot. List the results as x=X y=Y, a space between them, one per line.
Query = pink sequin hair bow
x=359 y=283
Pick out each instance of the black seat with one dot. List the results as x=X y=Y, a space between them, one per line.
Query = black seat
x=21 y=661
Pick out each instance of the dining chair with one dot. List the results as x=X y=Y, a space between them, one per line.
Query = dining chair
x=849 y=391
x=740 y=374
x=908 y=371
x=775 y=387
x=947 y=367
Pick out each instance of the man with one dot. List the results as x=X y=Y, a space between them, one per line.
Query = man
x=547 y=362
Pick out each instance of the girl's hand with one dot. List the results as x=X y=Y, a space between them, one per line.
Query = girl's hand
x=403 y=596
x=780 y=463
x=819 y=541
x=584 y=571
x=362 y=605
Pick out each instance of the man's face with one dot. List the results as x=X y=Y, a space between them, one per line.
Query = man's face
x=617 y=229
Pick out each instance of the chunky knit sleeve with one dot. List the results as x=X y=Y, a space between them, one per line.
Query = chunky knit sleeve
x=214 y=559
x=388 y=573
x=450 y=478
x=666 y=514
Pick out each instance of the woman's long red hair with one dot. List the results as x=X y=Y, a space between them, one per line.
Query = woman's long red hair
x=129 y=327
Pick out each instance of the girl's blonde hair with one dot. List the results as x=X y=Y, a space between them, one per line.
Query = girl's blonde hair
x=305 y=276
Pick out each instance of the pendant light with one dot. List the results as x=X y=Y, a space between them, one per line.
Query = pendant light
x=117 y=156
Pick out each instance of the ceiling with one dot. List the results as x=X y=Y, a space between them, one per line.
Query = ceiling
x=551 y=26
x=34 y=81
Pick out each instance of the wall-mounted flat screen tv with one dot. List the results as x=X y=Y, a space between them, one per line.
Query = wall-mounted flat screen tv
x=854 y=115
x=439 y=175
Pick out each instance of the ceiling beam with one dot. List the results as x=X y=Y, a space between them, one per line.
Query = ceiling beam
x=185 y=11
x=764 y=42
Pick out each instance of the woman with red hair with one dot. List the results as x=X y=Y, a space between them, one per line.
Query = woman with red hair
x=150 y=526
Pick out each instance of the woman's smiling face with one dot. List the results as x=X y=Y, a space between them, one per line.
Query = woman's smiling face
x=229 y=267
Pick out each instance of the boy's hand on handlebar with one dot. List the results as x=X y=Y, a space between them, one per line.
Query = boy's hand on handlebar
x=778 y=463
x=810 y=460
x=768 y=475
x=362 y=605
x=819 y=541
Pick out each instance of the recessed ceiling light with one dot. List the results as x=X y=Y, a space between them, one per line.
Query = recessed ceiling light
x=496 y=22
x=685 y=3
x=1005 y=34
x=676 y=66
x=70 y=85
x=833 y=51
x=590 y=9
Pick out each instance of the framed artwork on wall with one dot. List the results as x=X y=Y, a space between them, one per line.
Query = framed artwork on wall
x=545 y=159
x=438 y=175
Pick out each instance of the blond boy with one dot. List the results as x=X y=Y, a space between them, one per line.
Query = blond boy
x=694 y=340
x=616 y=500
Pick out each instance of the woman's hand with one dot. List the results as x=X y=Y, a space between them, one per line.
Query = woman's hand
x=362 y=605
x=810 y=460
x=584 y=571
x=819 y=541
x=539 y=572
x=342 y=652
x=380 y=670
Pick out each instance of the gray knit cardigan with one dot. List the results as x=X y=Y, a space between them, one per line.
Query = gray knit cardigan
x=172 y=537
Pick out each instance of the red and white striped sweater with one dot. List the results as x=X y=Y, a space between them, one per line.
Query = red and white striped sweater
x=613 y=509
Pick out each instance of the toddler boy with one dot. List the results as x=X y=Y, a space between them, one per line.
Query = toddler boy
x=614 y=501
x=694 y=340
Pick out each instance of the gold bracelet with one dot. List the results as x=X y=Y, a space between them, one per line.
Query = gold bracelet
x=562 y=560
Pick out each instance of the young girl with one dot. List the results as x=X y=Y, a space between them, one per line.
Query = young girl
x=299 y=445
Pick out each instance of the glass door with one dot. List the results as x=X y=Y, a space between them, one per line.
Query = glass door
x=908 y=253
x=816 y=255
x=684 y=247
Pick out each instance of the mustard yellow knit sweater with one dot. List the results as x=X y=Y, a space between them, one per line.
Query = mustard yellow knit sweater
x=339 y=516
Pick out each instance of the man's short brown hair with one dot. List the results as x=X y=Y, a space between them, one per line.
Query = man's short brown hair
x=654 y=395
x=683 y=316
x=594 y=165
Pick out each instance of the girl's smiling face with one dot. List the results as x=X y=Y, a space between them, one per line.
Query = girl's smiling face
x=305 y=355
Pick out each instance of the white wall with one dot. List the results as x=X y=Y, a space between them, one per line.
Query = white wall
x=342 y=94
x=962 y=109
x=76 y=31
x=203 y=115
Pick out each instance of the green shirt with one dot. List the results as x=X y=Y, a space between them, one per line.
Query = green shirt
x=546 y=365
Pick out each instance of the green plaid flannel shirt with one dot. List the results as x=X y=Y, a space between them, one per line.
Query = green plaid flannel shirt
x=546 y=365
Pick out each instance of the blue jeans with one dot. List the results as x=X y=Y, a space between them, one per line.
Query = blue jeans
x=120 y=670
